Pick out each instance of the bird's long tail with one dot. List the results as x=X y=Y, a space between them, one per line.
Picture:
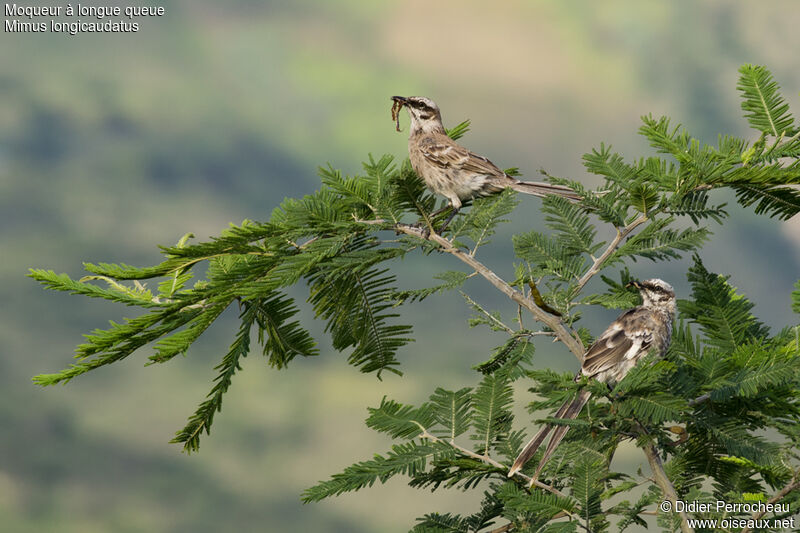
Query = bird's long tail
x=569 y=410
x=543 y=189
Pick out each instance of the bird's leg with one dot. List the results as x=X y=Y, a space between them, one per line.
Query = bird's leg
x=426 y=232
x=426 y=223
x=440 y=211
x=449 y=218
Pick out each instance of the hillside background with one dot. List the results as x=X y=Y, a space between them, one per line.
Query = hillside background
x=113 y=144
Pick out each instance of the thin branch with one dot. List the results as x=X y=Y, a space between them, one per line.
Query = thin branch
x=793 y=484
x=486 y=459
x=700 y=399
x=661 y=479
x=612 y=247
x=570 y=340
x=537 y=334
x=493 y=319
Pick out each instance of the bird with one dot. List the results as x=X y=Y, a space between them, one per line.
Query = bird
x=634 y=334
x=451 y=170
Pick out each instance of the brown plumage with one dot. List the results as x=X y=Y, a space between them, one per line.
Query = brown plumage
x=627 y=340
x=450 y=169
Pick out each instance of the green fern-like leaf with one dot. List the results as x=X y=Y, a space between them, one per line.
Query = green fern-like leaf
x=657 y=242
x=202 y=419
x=675 y=141
x=619 y=296
x=355 y=300
x=609 y=205
x=754 y=378
x=491 y=405
x=441 y=523
x=723 y=315
x=282 y=340
x=587 y=487
x=774 y=201
x=633 y=514
x=737 y=441
x=655 y=408
x=116 y=292
x=510 y=358
x=481 y=222
x=452 y=411
x=459 y=130
x=547 y=257
x=403 y=459
x=695 y=206
x=610 y=165
x=452 y=280
x=538 y=502
x=491 y=508
x=104 y=347
x=575 y=232
x=178 y=343
x=764 y=107
x=399 y=420
x=796 y=298
x=643 y=196
x=409 y=193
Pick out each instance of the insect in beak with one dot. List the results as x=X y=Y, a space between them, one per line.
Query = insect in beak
x=398 y=104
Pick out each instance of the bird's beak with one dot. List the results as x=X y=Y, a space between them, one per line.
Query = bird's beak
x=633 y=283
x=400 y=99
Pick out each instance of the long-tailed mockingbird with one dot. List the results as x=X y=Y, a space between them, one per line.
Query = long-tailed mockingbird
x=450 y=169
x=628 y=339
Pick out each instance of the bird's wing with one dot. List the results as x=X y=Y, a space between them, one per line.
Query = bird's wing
x=628 y=336
x=441 y=151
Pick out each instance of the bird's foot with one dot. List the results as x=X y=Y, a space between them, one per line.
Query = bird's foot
x=424 y=229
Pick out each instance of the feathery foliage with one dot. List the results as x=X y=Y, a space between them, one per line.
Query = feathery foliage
x=721 y=411
x=764 y=107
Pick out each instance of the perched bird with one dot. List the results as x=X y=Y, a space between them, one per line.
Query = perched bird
x=450 y=169
x=628 y=339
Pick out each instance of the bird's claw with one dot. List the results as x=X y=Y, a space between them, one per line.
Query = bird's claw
x=424 y=229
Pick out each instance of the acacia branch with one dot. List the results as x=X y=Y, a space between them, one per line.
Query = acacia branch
x=570 y=339
x=612 y=247
x=661 y=479
x=491 y=318
x=486 y=459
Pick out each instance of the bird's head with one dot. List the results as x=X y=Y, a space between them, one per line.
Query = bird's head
x=424 y=113
x=656 y=293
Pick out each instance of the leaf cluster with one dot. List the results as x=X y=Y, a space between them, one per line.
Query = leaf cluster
x=721 y=408
x=335 y=242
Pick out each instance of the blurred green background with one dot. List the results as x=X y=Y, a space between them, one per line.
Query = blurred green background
x=113 y=144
